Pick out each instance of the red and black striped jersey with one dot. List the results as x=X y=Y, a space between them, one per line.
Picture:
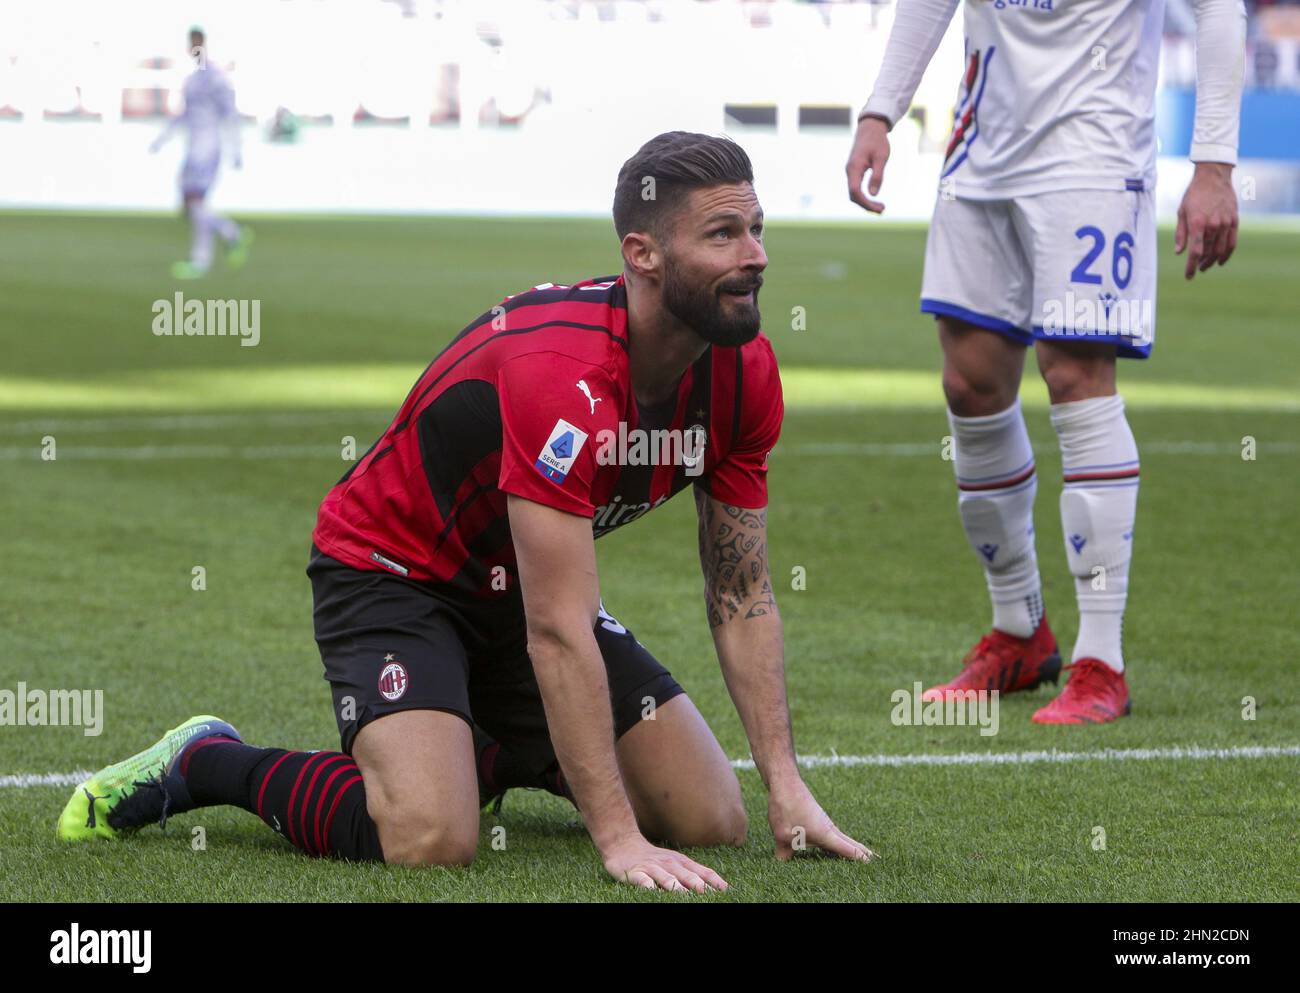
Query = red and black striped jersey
x=535 y=398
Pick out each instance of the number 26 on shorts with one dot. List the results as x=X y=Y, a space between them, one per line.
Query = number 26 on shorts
x=1121 y=262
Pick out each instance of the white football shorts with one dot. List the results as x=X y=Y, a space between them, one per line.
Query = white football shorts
x=1065 y=265
x=198 y=174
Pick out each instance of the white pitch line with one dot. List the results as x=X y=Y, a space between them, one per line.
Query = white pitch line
x=197 y=422
x=933 y=448
x=160 y=453
x=1175 y=754
x=157 y=453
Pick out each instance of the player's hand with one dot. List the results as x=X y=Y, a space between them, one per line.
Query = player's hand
x=636 y=861
x=238 y=162
x=1207 y=218
x=798 y=822
x=870 y=153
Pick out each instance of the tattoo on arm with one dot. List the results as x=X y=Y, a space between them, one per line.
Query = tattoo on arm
x=733 y=556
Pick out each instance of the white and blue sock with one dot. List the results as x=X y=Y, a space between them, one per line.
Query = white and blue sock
x=1099 y=463
x=996 y=477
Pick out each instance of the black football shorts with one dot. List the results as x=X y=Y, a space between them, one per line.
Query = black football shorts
x=391 y=644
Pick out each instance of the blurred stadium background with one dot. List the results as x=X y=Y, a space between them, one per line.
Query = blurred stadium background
x=527 y=106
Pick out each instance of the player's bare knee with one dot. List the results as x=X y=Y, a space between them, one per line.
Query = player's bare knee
x=411 y=835
x=981 y=369
x=719 y=825
x=1077 y=373
x=413 y=844
x=1067 y=383
x=442 y=848
x=731 y=826
x=711 y=823
x=976 y=396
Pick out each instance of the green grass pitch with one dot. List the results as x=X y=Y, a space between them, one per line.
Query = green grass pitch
x=174 y=453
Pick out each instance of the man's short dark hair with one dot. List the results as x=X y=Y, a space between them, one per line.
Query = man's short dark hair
x=654 y=183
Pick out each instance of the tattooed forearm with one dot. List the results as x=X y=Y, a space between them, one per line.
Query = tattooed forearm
x=733 y=556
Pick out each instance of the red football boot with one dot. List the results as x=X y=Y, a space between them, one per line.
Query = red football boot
x=1094 y=694
x=1006 y=663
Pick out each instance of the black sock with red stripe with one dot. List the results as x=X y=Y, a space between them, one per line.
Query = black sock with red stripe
x=500 y=769
x=315 y=799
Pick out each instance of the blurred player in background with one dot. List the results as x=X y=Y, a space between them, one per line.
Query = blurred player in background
x=210 y=121
x=1043 y=233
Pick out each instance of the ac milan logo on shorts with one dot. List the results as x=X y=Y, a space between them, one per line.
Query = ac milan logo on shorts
x=392 y=681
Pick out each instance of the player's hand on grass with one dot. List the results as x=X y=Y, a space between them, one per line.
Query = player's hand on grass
x=640 y=863
x=798 y=822
x=870 y=153
x=1207 y=218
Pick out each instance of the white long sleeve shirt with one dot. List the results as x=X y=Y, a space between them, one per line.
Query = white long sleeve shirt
x=209 y=113
x=1060 y=94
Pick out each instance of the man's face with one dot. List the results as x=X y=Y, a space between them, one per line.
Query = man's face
x=714 y=262
x=196 y=48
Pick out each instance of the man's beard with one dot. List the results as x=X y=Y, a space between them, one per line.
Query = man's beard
x=701 y=308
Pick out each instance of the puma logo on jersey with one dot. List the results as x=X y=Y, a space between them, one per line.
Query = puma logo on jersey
x=582 y=385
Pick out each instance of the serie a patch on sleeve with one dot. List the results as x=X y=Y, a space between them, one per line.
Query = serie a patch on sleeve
x=560 y=451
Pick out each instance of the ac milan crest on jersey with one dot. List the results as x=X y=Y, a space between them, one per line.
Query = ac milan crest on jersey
x=393 y=680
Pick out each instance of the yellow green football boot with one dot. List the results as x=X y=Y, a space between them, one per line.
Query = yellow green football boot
x=237 y=252
x=188 y=270
x=140 y=790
